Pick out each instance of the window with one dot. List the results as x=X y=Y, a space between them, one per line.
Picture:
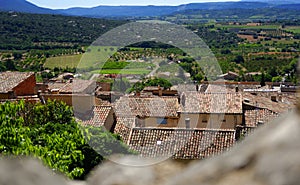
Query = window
x=162 y=121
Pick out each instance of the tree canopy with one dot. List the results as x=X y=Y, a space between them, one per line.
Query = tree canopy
x=49 y=132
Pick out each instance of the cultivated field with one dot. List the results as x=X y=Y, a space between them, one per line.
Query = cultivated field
x=63 y=61
x=94 y=56
x=294 y=29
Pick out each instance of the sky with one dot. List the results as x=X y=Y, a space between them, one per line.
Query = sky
x=62 y=4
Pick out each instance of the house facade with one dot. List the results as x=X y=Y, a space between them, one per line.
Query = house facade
x=14 y=84
x=100 y=116
x=149 y=111
x=211 y=110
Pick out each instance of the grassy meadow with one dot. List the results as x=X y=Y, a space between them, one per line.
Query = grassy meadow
x=294 y=29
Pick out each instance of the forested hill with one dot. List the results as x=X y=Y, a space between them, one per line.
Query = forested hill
x=274 y=1
x=23 y=6
x=26 y=31
x=142 y=11
x=282 y=12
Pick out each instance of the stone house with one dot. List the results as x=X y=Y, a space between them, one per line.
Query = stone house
x=100 y=116
x=14 y=84
x=211 y=110
x=76 y=92
x=229 y=76
x=149 y=111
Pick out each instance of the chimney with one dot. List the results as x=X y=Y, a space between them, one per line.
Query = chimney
x=280 y=98
x=187 y=123
x=138 y=94
x=259 y=123
x=274 y=98
x=160 y=91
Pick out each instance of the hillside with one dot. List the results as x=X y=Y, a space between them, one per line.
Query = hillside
x=274 y=1
x=282 y=12
x=118 y=11
x=289 y=6
x=23 y=6
x=38 y=31
x=142 y=11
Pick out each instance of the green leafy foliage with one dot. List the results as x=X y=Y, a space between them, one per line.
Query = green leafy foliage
x=50 y=133
x=139 y=86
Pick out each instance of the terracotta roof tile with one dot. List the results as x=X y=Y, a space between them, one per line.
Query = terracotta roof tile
x=79 y=86
x=244 y=131
x=55 y=85
x=211 y=88
x=98 y=116
x=252 y=117
x=197 y=102
x=146 y=107
x=266 y=103
x=123 y=127
x=9 y=80
x=180 y=143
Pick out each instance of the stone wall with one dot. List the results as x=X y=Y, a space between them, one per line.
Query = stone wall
x=27 y=87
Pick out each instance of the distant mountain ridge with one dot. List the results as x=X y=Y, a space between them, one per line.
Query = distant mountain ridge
x=142 y=11
x=274 y=1
x=23 y=6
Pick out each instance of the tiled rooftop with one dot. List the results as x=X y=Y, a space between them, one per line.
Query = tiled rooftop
x=123 y=127
x=180 y=143
x=55 y=85
x=98 y=116
x=211 y=88
x=244 y=131
x=9 y=80
x=184 y=87
x=146 y=107
x=252 y=117
x=267 y=103
x=197 y=102
x=78 y=86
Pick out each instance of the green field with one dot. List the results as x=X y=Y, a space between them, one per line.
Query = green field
x=294 y=29
x=94 y=56
x=172 y=68
x=63 y=61
x=123 y=71
x=98 y=60
x=271 y=26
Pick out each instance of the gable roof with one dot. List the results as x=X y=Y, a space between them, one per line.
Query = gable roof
x=75 y=86
x=197 y=102
x=180 y=143
x=10 y=80
x=124 y=126
x=147 y=107
x=98 y=116
x=252 y=117
x=267 y=103
x=219 y=88
x=229 y=75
